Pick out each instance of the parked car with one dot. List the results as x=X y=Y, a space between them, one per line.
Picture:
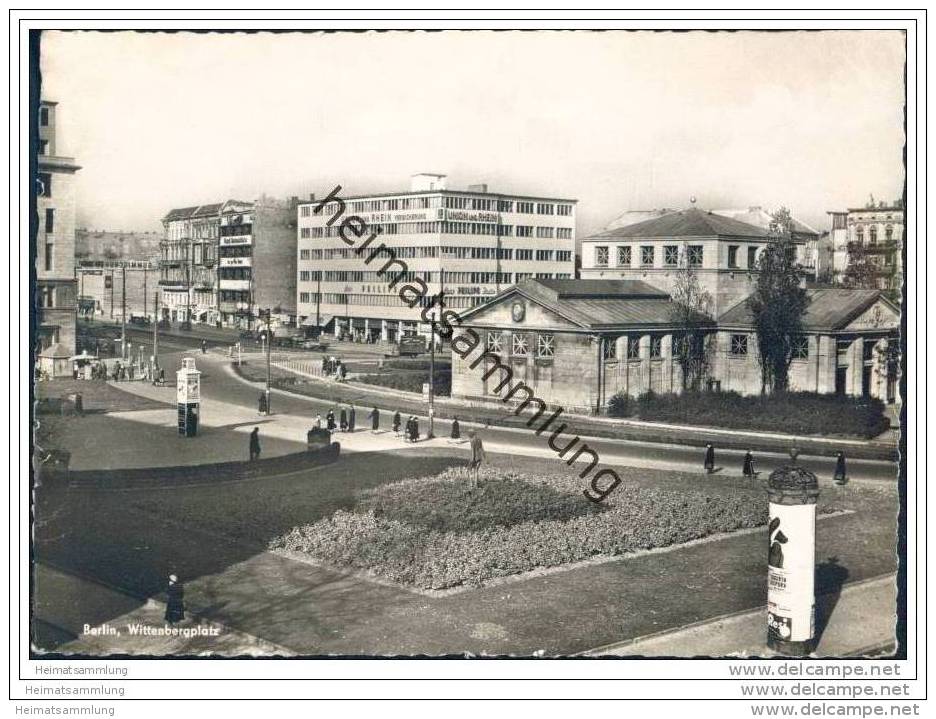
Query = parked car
x=140 y=320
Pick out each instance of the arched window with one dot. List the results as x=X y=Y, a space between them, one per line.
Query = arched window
x=859 y=234
x=888 y=233
x=872 y=235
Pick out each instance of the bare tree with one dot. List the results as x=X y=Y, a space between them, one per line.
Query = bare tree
x=691 y=310
x=778 y=304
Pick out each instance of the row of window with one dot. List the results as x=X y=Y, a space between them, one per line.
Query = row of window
x=739 y=346
x=446 y=227
x=448 y=278
x=873 y=234
x=483 y=204
x=376 y=300
x=694 y=255
x=454 y=253
x=232 y=230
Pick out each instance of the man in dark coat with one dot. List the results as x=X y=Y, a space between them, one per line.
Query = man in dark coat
x=841 y=476
x=396 y=422
x=748 y=468
x=330 y=420
x=456 y=430
x=709 y=459
x=343 y=420
x=351 y=418
x=262 y=403
x=415 y=429
x=255 y=444
x=375 y=419
x=175 y=604
x=477 y=456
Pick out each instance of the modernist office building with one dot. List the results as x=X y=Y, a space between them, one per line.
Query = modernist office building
x=56 y=294
x=469 y=244
x=222 y=263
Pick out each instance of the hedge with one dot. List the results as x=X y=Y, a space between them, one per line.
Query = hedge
x=411 y=380
x=803 y=413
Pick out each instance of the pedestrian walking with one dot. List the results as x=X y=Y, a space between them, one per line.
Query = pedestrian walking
x=375 y=419
x=396 y=423
x=255 y=444
x=262 y=403
x=330 y=420
x=748 y=468
x=131 y=372
x=456 y=429
x=116 y=374
x=415 y=429
x=204 y=346
x=351 y=418
x=841 y=475
x=709 y=459
x=343 y=420
x=477 y=457
x=175 y=603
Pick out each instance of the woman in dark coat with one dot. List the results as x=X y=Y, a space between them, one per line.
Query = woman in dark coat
x=841 y=476
x=343 y=420
x=456 y=430
x=375 y=419
x=255 y=444
x=396 y=422
x=415 y=429
x=175 y=605
x=330 y=420
x=709 y=459
x=262 y=403
x=351 y=418
x=748 y=468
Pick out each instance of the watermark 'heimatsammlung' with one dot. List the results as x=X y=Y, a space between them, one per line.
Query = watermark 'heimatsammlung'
x=414 y=291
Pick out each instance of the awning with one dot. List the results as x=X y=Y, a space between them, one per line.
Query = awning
x=357 y=323
x=324 y=321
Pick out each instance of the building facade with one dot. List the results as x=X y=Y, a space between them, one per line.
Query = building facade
x=577 y=343
x=221 y=263
x=56 y=295
x=469 y=244
x=721 y=250
x=879 y=231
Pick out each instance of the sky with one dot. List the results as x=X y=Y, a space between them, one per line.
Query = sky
x=617 y=120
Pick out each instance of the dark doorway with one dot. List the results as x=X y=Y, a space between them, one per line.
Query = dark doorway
x=866 y=381
x=840 y=374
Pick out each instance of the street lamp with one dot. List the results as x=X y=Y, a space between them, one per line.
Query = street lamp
x=430 y=434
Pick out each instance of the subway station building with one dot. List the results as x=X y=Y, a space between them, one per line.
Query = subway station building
x=576 y=343
x=469 y=244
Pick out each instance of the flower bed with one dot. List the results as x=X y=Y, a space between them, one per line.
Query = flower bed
x=409 y=380
x=416 y=532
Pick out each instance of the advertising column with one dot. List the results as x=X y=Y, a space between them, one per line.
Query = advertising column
x=188 y=382
x=791 y=561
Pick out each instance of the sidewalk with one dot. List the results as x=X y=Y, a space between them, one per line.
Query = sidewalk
x=125 y=614
x=861 y=622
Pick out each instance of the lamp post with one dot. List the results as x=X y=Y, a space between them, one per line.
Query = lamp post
x=269 y=343
x=430 y=434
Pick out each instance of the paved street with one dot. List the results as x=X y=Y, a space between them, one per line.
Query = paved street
x=220 y=384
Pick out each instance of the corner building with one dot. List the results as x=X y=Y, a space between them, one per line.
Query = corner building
x=469 y=244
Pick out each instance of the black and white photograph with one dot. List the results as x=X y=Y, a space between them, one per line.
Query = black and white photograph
x=468 y=343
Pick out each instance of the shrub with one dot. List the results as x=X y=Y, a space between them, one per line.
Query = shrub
x=451 y=506
x=791 y=412
x=411 y=380
x=385 y=535
x=619 y=405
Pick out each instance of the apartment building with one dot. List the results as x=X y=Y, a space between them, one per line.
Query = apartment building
x=878 y=229
x=469 y=244
x=55 y=246
x=223 y=262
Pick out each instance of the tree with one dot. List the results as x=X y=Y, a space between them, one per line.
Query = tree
x=860 y=270
x=691 y=310
x=778 y=304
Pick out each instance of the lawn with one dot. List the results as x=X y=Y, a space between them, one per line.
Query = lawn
x=435 y=532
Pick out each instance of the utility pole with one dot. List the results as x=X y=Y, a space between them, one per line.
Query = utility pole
x=269 y=344
x=155 y=335
x=430 y=434
x=112 y=293
x=144 y=290
x=123 y=313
